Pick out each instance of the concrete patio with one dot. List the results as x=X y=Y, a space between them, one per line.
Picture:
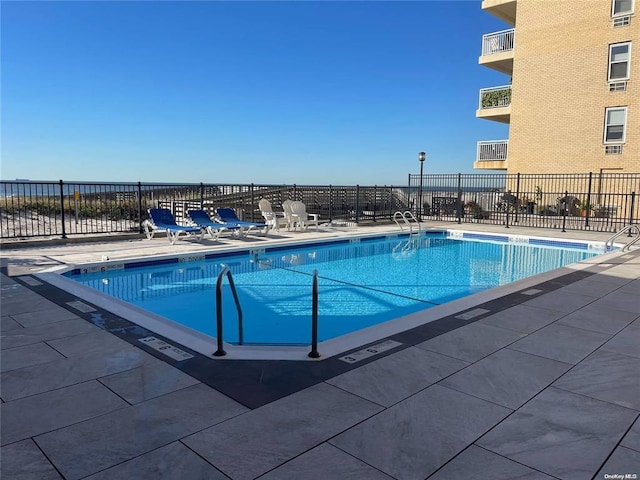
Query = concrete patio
x=542 y=383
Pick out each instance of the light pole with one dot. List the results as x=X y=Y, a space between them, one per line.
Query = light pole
x=421 y=156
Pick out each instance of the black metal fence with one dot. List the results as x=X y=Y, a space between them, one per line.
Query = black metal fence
x=60 y=209
x=594 y=201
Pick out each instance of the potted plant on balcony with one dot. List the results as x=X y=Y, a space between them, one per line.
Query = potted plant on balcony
x=496 y=98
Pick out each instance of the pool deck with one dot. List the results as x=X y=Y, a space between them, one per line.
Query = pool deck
x=545 y=386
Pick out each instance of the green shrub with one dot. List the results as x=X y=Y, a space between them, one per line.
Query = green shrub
x=496 y=98
x=39 y=205
x=88 y=210
x=8 y=208
x=123 y=211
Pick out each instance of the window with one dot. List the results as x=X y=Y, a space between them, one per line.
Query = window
x=615 y=122
x=619 y=56
x=621 y=7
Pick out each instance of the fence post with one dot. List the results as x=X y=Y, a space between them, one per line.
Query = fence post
x=140 y=229
x=633 y=201
x=507 y=208
x=517 y=199
x=412 y=204
x=330 y=203
x=64 y=232
x=252 y=202
x=201 y=195
x=390 y=204
x=588 y=214
x=357 y=206
x=564 y=211
x=459 y=210
x=375 y=202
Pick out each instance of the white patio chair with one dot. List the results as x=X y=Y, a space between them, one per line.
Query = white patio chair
x=301 y=218
x=288 y=215
x=274 y=220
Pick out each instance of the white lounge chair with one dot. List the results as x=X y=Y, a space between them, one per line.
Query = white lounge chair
x=301 y=218
x=274 y=220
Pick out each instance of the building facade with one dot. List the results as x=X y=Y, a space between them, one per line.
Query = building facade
x=571 y=95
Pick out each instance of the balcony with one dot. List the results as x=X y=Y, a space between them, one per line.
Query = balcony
x=503 y=9
x=497 y=51
x=495 y=104
x=492 y=155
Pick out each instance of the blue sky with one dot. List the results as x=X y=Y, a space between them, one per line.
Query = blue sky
x=300 y=92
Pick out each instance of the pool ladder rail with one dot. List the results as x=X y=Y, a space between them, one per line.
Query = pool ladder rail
x=226 y=271
x=219 y=335
x=408 y=219
x=629 y=230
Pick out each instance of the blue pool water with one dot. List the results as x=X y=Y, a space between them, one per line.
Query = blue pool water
x=360 y=283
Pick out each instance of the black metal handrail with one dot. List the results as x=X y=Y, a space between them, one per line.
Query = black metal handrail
x=314 y=317
x=226 y=271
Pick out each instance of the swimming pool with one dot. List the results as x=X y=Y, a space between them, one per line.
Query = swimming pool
x=362 y=282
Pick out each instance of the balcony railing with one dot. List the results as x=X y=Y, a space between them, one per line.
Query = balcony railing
x=491 y=151
x=495 y=97
x=498 y=42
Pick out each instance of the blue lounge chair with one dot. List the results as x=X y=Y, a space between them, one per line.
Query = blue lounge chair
x=229 y=217
x=161 y=220
x=202 y=219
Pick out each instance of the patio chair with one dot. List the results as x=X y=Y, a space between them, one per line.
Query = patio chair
x=162 y=220
x=229 y=217
x=202 y=219
x=300 y=216
x=288 y=214
x=273 y=219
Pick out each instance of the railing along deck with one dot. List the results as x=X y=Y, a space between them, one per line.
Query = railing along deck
x=600 y=201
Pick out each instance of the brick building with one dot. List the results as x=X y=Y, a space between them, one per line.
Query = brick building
x=571 y=94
